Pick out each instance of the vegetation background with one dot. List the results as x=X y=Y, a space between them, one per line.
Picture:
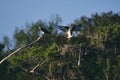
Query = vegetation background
x=93 y=54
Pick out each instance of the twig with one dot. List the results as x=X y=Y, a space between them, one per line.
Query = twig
x=18 y=50
x=79 y=59
x=23 y=69
x=79 y=56
x=33 y=69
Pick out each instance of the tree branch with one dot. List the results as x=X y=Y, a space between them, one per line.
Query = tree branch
x=79 y=58
x=33 y=69
x=19 y=50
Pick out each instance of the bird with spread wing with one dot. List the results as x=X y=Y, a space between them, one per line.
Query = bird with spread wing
x=68 y=30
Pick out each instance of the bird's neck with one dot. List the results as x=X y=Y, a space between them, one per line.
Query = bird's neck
x=42 y=32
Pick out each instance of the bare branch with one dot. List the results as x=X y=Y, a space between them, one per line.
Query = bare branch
x=34 y=68
x=79 y=59
x=23 y=69
x=18 y=50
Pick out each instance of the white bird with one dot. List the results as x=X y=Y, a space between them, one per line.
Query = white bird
x=69 y=30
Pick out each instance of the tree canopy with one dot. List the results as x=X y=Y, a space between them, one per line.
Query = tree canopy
x=92 y=54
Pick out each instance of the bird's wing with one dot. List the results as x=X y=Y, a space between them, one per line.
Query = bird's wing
x=75 y=28
x=45 y=30
x=63 y=28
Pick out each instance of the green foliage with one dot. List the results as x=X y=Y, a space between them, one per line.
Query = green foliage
x=98 y=45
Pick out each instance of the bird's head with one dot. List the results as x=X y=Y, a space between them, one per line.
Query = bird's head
x=39 y=28
x=73 y=25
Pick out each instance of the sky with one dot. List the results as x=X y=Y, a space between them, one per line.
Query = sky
x=19 y=12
